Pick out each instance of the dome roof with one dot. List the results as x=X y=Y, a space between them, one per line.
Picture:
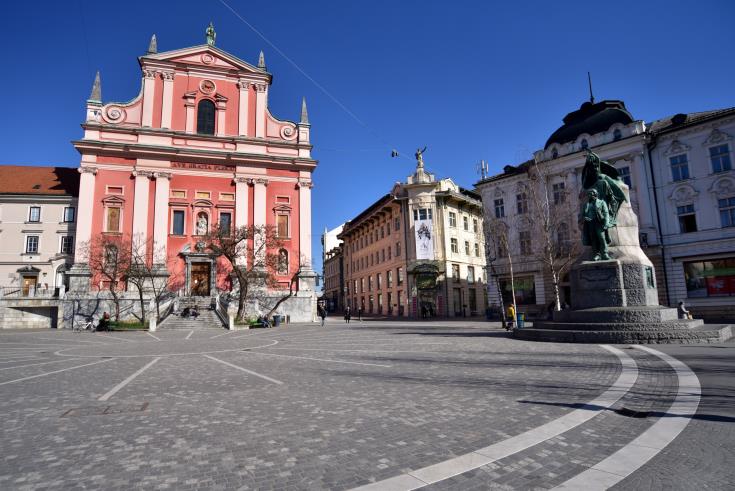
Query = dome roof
x=590 y=118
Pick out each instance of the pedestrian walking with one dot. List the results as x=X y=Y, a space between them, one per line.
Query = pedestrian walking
x=359 y=314
x=322 y=313
x=511 y=317
x=348 y=314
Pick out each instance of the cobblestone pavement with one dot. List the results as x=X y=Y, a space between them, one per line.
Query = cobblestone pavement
x=305 y=407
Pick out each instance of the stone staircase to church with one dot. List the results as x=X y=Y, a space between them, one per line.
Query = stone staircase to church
x=207 y=318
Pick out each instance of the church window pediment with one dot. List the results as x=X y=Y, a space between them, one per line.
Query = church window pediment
x=113 y=201
x=203 y=203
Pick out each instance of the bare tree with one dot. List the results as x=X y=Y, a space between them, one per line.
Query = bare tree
x=109 y=259
x=255 y=256
x=552 y=219
x=146 y=276
x=498 y=247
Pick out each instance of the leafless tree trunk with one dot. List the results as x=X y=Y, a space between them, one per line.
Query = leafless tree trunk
x=552 y=219
x=254 y=256
x=109 y=259
x=497 y=243
x=143 y=274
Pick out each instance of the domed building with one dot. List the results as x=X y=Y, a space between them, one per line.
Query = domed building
x=611 y=131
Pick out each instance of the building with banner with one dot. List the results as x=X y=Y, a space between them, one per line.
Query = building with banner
x=417 y=251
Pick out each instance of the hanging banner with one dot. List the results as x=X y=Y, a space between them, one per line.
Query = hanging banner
x=424 y=239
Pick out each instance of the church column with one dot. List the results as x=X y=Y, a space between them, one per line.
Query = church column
x=160 y=221
x=305 y=223
x=261 y=102
x=189 y=103
x=85 y=207
x=242 y=124
x=168 y=99
x=221 y=113
x=140 y=206
x=149 y=86
x=241 y=201
x=259 y=202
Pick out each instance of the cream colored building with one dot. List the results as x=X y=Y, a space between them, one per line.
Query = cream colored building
x=38 y=208
x=418 y=251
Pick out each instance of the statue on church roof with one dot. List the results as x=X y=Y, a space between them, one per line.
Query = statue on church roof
x=211 y=35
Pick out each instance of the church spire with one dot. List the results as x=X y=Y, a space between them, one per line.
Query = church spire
x=261 y=60
x=153 y=46
x=96 y=94
x=304 y=113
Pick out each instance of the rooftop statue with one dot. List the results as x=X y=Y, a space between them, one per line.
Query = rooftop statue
x=211 y=35
x=420 y=157
x=602 y=186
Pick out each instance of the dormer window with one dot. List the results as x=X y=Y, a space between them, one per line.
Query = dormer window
x=554 y=153
x=205 y=117
x=585 y=145
x=617 y=135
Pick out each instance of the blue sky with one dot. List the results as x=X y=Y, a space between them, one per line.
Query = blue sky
x=470 y=79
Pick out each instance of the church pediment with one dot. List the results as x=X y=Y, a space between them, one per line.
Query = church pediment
x=205 y=56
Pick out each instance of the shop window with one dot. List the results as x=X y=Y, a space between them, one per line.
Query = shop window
x=524 y=287
x=687 y=219
x=205 y=117
x=715 y=278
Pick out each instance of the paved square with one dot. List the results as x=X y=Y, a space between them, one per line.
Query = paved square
x=305 y=407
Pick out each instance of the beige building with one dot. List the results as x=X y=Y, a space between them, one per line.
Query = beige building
x=418 y=251
x=333 y=293
x=38 y=208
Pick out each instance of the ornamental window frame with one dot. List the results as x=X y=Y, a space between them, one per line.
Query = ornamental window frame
x=680 y=167
x=108 y=204
x=203 y=127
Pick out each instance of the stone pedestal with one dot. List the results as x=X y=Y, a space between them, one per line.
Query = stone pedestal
x=79 y=278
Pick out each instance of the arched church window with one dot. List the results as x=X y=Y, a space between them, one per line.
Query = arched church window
x=617 y=135
x=282 y=261
x=205 y=117
x=585 y=145
x=202 y=225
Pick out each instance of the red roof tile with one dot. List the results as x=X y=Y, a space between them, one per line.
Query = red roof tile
x=21 y=179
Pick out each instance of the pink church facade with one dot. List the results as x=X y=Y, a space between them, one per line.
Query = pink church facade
x=197 y=146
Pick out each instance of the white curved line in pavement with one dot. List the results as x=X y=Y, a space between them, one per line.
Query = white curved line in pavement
x=467 y=462
x=634 y=455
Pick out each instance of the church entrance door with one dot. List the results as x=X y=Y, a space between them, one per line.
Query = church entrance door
x=200 y=275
